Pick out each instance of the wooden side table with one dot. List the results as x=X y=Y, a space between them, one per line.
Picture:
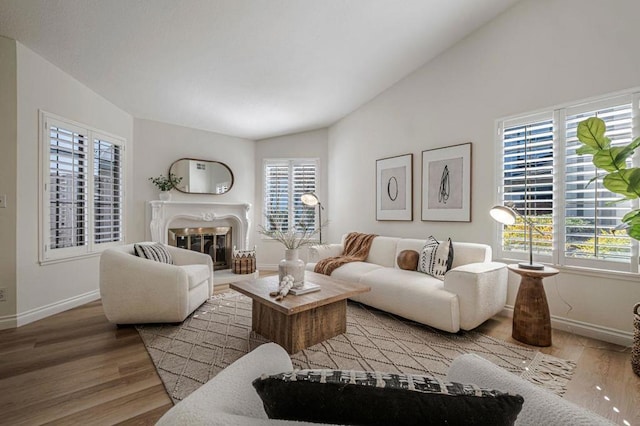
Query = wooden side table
x=531 y=317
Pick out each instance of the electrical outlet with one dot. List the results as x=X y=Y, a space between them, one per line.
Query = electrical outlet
x=3 y=294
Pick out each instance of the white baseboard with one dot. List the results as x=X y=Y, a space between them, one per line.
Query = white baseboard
x=594 y=331
x=8 y=321
x=41 y=312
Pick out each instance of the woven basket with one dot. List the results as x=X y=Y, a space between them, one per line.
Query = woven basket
x=243 y=261
x=245 y=265
x=635 y=353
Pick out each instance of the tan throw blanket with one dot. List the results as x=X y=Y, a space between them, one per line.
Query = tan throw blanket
x=356 y=249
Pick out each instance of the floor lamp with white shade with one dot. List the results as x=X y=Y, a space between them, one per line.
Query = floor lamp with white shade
x=311 y=199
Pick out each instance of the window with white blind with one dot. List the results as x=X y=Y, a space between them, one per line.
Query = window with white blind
x=544 y=179
x=107 y=191
x=82 y=189
x=285 y=181
x=527 y=181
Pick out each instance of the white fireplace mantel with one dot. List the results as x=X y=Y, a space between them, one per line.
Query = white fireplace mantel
x=165 y=214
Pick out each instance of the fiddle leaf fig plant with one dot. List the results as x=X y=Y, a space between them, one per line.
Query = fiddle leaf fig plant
x=619 y=178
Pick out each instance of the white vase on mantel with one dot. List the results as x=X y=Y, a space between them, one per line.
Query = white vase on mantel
x=292 y=265
x=165 y=196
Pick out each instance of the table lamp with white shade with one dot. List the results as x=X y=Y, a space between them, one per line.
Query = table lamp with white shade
x=507 y=215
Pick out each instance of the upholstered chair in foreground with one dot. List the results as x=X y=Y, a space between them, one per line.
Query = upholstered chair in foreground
x=136 y=290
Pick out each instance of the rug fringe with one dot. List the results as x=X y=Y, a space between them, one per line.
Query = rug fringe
x=549 y=372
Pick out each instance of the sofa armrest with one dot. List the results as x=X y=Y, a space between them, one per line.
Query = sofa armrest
x=231 y=392
x=540 y=407
x=481 y=289
x=133 y=288
x=189 y=257
x=320 y=252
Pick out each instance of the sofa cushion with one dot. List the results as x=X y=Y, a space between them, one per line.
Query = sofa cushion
x=383 y=251
x=412 y=295
x=466 y=253
x=196 y=274
x=374 y=398
x=436 y=258
x=157 y=252
x=354 y=271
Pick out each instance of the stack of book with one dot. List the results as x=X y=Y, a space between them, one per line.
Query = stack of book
x=306 y=288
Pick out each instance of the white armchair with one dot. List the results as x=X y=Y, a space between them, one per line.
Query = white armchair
x=135 y=290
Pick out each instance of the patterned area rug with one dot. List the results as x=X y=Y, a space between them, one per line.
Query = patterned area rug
x=219 y=332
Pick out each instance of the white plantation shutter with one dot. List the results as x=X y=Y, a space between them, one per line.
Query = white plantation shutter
x=577 y=214
x=304 y=180
x=284 y=182
x=82 y=205
x=276 y=202
x=590 y=215
x=527 y=182
x=107 y=193
x=68 y=171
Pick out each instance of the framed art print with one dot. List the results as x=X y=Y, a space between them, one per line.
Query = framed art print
x=394 y=188
x=446 y=183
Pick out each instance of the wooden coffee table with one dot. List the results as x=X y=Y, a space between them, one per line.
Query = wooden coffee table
x=297 y=322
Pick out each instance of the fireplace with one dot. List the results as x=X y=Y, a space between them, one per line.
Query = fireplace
x=173 y=217
x=215 y=241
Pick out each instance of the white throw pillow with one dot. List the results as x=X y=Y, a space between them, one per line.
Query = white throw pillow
x=436 y=258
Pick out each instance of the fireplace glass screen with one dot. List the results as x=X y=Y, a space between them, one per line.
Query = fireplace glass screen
x=214 y=241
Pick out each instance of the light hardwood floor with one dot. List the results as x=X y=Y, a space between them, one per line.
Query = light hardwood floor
x=76 y=368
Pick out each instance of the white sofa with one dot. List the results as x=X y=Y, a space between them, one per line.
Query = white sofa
x=136 y=290
x=229 y=399
x=474 y=290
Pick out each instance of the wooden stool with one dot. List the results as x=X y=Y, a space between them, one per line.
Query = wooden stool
x=531 y=318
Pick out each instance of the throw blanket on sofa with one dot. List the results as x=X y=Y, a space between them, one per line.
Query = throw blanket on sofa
x=356 y=249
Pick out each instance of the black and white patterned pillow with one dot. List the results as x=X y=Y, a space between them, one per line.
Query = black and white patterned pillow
x=374 y=398
x=436 y=258
x=157 y=252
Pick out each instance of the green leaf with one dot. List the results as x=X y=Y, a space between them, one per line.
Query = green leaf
x=604 y=159
x=627 y=151
x=632 y=217
x=634 y=232
x=586 y=149
x=634 y=180
x=618 y=182
x=591 y=132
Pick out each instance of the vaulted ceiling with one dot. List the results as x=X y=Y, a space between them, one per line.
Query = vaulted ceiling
x=247 y=68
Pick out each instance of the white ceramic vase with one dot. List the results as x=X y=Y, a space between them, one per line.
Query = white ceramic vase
x=292 y=265
x=165 y=196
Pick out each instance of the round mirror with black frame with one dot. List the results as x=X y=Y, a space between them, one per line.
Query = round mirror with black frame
x=202 y=176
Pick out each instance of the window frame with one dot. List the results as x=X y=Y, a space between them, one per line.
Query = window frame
x=559 y=114
x=46 y=254
x=291 y=162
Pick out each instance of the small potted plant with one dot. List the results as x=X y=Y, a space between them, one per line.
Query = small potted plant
x=165 y=184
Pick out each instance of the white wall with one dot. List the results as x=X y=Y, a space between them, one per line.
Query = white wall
x=311 y=144
x=43 y=290
x=8 y=180
x=160 y=144
x=537 y=54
